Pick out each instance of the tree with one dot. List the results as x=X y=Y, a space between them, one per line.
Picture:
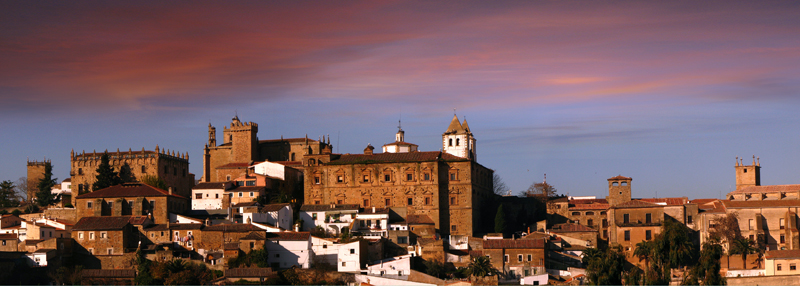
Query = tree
x=706 y=271
x=44 y=195
x=604 y=267
x=21 y=187
x=154 y=182
x=8 y=197
x=481 y=266
x=106 y=177
x=743 y=246
x=498 y=186
x=542 y=189
x=500 y=225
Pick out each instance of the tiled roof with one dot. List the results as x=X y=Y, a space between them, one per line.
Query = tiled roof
x=513 y=243
x=102 y=223
x=669 y=201
x=429 y=156
x=128 y=190
x=700 y=202
x=619 y=177
x=419 y=219
x=590 y=207
x=571 y=227
x=782 y=254
x=33 y=241
x=156 y=227
x=245 y=204
x=768 y=189
x=636 y=204
x=67 y=180
x=8 y=236
x=376 y=211
x=424 y=240
x=400 y=144
x=138 y=220
x=321 y=208
x=209 y=185
x=235 y=166
x=238 y=227
x=248 y=272
x=254 y=235
x=247 y=189
x=588 y=201
x=761 y=204
x=185 y=226
x=289 y=235
x=273 y=207
x=108 y=273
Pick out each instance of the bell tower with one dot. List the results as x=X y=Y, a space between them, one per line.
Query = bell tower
x=748 y=176
x=457 y=140
x=619 y=190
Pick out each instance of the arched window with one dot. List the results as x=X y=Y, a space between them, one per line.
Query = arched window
x=615 y=184
x=292 y=157
x=143 y=169
x=458 y=141
x=624 y=183
x=450 y=142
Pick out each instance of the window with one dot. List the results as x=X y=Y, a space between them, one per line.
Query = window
x=782 y=223
x=453 y=176
x=589 y=213
x=648 y=218
x=4 y=242
x=688 y=219
x=252 y=245
x=80 y=171
x=427 y=201
x=529 y=257
x=339 y=202
x=792 y=266
x=250 y=183
x=110 y=251
x=605 y=222
x=152 y=235
x=505 y=258
x=80 y=235
x=251 y=194
x=366 y=203
x=88 y=205
x=450 y=142
x=143 y=169
x=402 y=239
x=410 y=201
x=627 y=235
x=340 y=179
x=314 y=216
x=162 y=234
x=325 y=246
x=216 y=196
x=91 y=235
x=387 y=177
x=453 y=227
x=779 y=267
x=241 y=194
x=590 y=222
x=576 y=213
x=344 y=263
x=626 y=218
x=152 y=204
x=228 y=178
x=605 y=233
x=103 y=234
x=427 y=176
x=783 y=238
x=352 y=251
x=458 y=140
x=519 y=257
x=453 y=201
x=409 y=177
x=198 y=196
x=750 y=224
x=174 y=171
x=388 y=202
x=648 y=234
x=111 y=205
x=366 y=178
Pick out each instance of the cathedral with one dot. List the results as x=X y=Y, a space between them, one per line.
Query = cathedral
x=449 y=186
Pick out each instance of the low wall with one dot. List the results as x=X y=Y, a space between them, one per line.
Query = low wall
x=765 y=280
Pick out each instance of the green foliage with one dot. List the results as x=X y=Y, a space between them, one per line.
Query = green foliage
x=44 y=195
x=604 y=267
x=706 y=271
x=8 y=195
x=31 y=209
x=672 y=248
x=154 y=182
x=257 y=257
x=481 y=266
x=16 y=212
x=500 y=225
x=439 y=269
x=174 y=272
x=106 y=177
x=743 y=246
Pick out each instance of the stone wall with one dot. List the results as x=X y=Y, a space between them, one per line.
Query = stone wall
x=765 y=280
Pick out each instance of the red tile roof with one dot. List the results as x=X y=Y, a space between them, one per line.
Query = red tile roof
x=430 y=156
x=400 y=144
x=273 y=207
x=782 y=254
x=761 y=204
x=419 y=219
x=768 y=189
x=8 y=236
x=321 y=208
x=636 y=204
x=669 y=201
x=238 y=227
x=590 y=207
x=102 y=223
x=128 y=190
x=588 y=201
x=513 y=244
x=571 y=227
x=209 y=185
x=254 y=235
x=289 y=235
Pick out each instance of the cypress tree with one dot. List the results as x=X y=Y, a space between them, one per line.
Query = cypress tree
x=500 y=220
x=45 y=196
x=106 y=177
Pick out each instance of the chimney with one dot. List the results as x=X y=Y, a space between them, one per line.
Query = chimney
x=170 y=190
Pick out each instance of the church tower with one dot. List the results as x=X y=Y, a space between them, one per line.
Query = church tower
x=619 y=190
x=457 y=140
x=748 y=176
x=243 y=139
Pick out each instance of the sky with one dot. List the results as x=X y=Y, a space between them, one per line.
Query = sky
x=666 y=92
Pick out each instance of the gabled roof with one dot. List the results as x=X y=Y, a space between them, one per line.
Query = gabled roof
x=636 y=204
x=427 y=156
x=254 y=235
x=768 y=189
x=209 y=185
x=619 y=177
x=128 y=190
x=238 y=227
x=240 y=165
x=571 y=227
x=273 y=207
x=400 y=144
x=513 y=243
x=321 y=208
x=288 y=235
x=102 y=223
x=419 y=219
x=455 y=127
x=668 y=201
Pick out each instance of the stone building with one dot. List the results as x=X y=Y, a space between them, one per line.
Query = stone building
x=131 y=199
x=516 y=257
x=109 y=235
x=35 y=174
x=240 y=148
x=454 y=192
x=167 y=165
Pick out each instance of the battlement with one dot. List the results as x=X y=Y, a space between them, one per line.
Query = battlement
x=130 y=154
x=39 y=163
x=240 y=125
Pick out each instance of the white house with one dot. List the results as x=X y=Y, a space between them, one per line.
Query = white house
x=65 y=188
x=267 y=227
x=332 y=218
x=372 y=223
x=208 y=196
x=352 y=256
x=270 y=169
x=398 y=265
x=279 y=215
x=287 y=249
x=324 y=250
x=40 y=257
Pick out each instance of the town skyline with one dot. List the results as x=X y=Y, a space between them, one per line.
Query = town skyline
x=666 y=93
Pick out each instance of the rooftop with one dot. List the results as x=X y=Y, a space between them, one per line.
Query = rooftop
x=319 y=208
x=782 y=254
x=513 y=243
x=429 y=156
x=419 y=219
x=768 y=189
x=103 y=223
x=273 y=207
x=128 y=190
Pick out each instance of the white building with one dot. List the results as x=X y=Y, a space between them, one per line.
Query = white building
x=372 y=223
x=400 y=145
x=40 y=257
x=287 y=249
x=65 y=188
x=278 y=215
x=324 y=250
x=332 y=218
x=352 y=256
x=393 y=266
x=208 y=196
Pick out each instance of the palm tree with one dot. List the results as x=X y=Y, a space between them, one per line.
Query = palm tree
x=644 y=252
x=481 y=266
x=743 y=246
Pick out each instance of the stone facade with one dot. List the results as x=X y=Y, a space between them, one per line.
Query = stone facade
x=171 y=167
x=131 y=199
x=35 y=174
x=241 y=147
x=516 y=256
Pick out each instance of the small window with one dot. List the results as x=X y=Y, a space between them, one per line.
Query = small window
x=111 y=205
x=450 y=142
x=80 y=171
x=615 y=184
x=110 y=251
x=325 y=246
x=624 y=184
x=91 y=250
x=590 y=222
x=216 y=196
x=366 y=178
x=387 y=177
x=316 y=180
x=409 y=177
x=166 y=169
x=91 y=235
x=782 y=223
x=505 y=258
x=314 y=216
x=352 y=250
x=783 y=238
x=458 y=141
x=427 y=201
x=792 y=266
x=648 y=218
x=80 y=235
x=453 y=228
x=251 y=194
x=576 y=213
x=228 y=178
x=143 y=169
x=589 y=213
x=519 y=257
x=779 y=267
x=340 y=179
x=198 y=196
x=689 y=219
x=410 y=201
x=626 y=218
x=241 y=194
x=648 y=234
x=453 y=201
x=88 y=205
x=751 y=224
x=339 y=202
x=103 y=234
x=627 y=235
x=452 y=176
x=388 y=202
x=529 y=257
x=366 y=203
x=427 y=176
x=344 y=263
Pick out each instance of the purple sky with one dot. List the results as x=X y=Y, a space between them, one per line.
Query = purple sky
x=668 y=93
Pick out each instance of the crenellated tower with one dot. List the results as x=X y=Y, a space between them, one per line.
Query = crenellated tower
x=748 y=175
